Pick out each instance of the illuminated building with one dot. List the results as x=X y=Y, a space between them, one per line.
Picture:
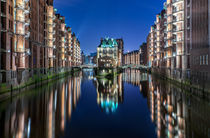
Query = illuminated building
x=69 y=47
x=157 y=42
x=132 y=58
x=76 y=55
x=110 y=52
x=177 y=54
x=50 y=37
x=14 y=34
x=178 y=42
x=60 y=40
x=34 y=41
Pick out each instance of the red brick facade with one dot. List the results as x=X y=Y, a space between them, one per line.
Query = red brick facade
x=34 y=41
x=132 y=58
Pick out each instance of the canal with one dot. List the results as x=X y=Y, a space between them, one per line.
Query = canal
x=132 y=104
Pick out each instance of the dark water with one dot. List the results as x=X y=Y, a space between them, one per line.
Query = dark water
x=131 y=105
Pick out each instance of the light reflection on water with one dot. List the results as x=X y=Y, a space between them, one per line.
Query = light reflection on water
x=132 y=104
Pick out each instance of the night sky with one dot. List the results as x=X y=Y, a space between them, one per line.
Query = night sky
x=93 y=19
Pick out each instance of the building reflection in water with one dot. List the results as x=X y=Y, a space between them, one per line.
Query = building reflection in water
x=109 y=93
x=28 y=116
x=174 y=112
x=88 y=74
x=169 y=109
x=45 y=111
x=134 y=76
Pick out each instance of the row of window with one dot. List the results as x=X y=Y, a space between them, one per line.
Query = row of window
x=107 y=51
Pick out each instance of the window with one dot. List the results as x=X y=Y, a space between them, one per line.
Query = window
x=104 y=51
x=203 y=60
x=200 y=60
x=207 y=59
x=194 y=60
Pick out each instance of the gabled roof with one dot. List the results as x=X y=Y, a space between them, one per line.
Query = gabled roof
x=108 y=42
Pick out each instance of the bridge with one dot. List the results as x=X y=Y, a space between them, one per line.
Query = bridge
x=88 y=66
x=131 y=66
x=134 y=66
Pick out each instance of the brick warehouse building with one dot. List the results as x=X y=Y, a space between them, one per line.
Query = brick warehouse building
x=179 y=41
x=120 y=43
x=132 y=57
x=137 y=57
x=34 y=41
x=200 y=39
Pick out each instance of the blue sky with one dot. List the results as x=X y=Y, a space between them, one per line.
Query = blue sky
x=93 y=19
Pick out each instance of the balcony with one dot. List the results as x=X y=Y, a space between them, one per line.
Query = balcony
x=23 y=50
x=20 y=32
x=20 y=6
x=20 y=18
x=178 y=30
x=27 y=22
x=180 y=40
x=178 y=20
x=177 y=10
x=27 y=10
x=27 y=35
x=176 y=1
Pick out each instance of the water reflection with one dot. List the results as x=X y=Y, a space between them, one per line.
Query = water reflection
x=109 y=93
x=41 y=113
x=47 y=111
x=175 y=112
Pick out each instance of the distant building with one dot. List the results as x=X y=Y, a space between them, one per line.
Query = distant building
x=109 y=53
x=120 y=43
x=143 y=54
x=90 y=59
x=93 y=57
x=148 y=50
x=132 y=58
x=76 y=57
x=83 y=58
x=87 y=59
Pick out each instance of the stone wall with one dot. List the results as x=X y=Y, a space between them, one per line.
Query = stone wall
x=184 y=76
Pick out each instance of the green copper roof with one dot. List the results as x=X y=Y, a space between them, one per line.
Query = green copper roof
x=109 y=42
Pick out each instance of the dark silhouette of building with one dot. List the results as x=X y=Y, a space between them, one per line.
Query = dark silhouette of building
x=143 y=54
